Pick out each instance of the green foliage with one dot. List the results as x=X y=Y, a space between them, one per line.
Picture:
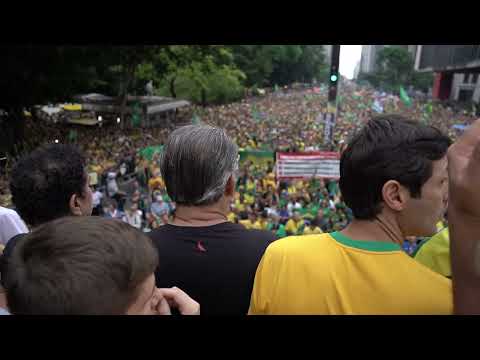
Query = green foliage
x=422 y=81
x=222 y=84
x=266 y=65
x=395 y=68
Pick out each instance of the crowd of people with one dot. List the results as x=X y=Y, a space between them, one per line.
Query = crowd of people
x=129 y=186
x=227 y=232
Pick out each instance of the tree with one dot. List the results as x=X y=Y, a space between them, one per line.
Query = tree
x=256 y=62
x=312 y=64
x=201 y=73
x=267 y=65
x=395 y=68
x=422 y=81
x=125 y=62
x=32 y=75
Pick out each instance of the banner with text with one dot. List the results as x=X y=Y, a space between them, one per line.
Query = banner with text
x=320 y=164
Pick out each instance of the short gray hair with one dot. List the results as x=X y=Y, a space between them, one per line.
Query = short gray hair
x=196 y=164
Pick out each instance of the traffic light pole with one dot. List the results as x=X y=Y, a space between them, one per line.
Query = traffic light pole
x=331 y=114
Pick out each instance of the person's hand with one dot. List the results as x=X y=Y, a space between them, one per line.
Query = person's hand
x=464 y=172
x=176 y=299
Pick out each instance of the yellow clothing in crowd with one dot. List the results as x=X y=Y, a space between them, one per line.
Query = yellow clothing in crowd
x=269 y=181
x=249 y=199
x=309 y=231
x=293 y=226
x=231 y=217
x=333 y=274
x=239 y=205
x=156 y=183
x=250 y=185
x=435 y=253
x=260 y=225
x=247 y=223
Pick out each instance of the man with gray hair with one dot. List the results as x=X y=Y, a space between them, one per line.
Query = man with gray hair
x=212 y=259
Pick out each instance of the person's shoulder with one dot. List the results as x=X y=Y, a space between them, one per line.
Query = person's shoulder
x=299 y=242
x=255 y=236
x=166 y=231
x=260 y=234
x=8 y=212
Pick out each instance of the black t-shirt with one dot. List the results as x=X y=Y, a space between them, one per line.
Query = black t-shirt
x=215 y=265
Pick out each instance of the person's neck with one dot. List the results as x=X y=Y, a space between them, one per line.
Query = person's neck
x=199 y=215
x=381 y=229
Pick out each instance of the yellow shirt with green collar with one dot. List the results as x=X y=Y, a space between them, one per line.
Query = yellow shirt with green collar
x=332 y=274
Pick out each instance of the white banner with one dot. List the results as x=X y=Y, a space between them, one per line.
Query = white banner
x=307 y=165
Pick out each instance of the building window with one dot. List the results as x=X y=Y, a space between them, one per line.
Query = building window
x=465 y=95
x=475 y=78
x=465 y=78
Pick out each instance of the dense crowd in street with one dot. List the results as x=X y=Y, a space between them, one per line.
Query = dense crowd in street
x=129 y=186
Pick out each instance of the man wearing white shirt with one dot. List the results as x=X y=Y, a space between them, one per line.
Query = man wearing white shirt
x=10 y=225
x=133 y=216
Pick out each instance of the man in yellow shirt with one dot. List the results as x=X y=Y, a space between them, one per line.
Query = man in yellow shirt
x=393 y=176
x=249 y=199
x=269 y=181
x=250 y=222
x=295 y=225
x=311 y=228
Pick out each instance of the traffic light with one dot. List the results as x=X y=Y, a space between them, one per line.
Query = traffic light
x=334 y=75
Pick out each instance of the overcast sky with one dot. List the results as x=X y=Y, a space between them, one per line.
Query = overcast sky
x=349 y=57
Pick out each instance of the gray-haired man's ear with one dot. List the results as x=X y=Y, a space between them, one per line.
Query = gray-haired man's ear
x=230 y=187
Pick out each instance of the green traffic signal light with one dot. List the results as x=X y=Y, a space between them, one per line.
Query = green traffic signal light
x=333 y=78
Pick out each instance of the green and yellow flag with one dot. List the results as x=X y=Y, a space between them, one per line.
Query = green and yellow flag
x=256 y=157
x=404 y=97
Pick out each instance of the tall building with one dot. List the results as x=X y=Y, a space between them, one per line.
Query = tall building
x=368 y=59
x=328 y=53
x=356 y=71
x=368 y=62
x=456 y=69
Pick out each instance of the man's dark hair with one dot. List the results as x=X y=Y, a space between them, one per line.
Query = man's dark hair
x=43 y=182
x=196 y=164
x=389 y=147
x=79 y=265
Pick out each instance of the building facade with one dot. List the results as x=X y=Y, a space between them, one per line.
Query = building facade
x=456 y=69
